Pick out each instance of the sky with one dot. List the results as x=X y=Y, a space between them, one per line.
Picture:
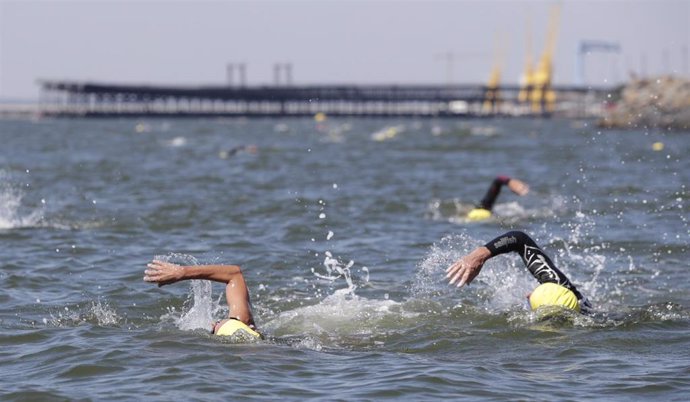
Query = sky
x=331 y=41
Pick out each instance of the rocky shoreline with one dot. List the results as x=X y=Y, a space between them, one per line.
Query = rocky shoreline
x=662 y=102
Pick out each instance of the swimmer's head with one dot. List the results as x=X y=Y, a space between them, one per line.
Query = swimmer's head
x=233 y=327
x=552 y=294
x=479 y=214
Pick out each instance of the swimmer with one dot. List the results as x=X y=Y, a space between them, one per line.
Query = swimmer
x=250 y=149
x=483 y=210
x=555 y=288
x=240 y=320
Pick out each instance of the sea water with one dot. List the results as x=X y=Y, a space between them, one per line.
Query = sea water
x=343 y=235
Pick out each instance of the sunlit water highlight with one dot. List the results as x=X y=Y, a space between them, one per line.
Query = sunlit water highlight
x=344 y=229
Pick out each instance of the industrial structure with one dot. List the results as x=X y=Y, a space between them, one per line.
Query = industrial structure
x=586 y=48
x=72 y=99
x=535 y=95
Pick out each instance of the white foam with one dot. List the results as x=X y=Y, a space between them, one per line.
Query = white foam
x=11 y=216
x=98 y=312
x=336 y=270
x=338 y=316
x=200 y=308
x=177 y=142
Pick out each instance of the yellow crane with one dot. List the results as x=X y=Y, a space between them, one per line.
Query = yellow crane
x=492 y=98
x=542 y=97
x=527 y=79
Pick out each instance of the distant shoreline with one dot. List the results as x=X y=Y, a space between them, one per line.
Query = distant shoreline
x=19 y=109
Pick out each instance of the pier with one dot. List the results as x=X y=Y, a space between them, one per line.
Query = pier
x=86 y=99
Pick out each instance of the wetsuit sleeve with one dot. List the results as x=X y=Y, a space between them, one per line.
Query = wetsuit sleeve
x=493 y=191
x=537 y=262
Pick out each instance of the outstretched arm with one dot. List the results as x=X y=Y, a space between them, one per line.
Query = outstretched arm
x=537 y=262
x=165 y=273
x=467 y=268
x=519 y=187
x=236 y=291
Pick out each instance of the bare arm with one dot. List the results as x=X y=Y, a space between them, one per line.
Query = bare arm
x=165 y=273
x=236 y=292
x=518 y=186
x=468 y=267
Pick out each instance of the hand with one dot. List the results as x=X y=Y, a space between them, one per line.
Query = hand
x=518 y=187
x=468 y=267
x=163 y=273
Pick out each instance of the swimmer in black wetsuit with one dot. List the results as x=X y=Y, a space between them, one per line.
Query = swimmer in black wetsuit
x=252 y=149
x=555 y=288
x=483 y=210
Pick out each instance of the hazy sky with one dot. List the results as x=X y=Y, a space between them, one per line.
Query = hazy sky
x=190 y=43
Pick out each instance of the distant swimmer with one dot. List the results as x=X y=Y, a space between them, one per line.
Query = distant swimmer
x=483 y=210
x=555 y=288
x=387 y=133
x=240 y=321
x=250 y=149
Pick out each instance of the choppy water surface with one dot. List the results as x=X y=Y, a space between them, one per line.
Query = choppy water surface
x=344 y=229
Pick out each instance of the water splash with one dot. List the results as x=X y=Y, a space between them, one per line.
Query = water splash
x=199 y=308
x=97 y=312
x=336 y=270
x=11 y=216
x=501 y=286
x=583 y=262
x=340 y=320
x=430 y=277
x=176 y=142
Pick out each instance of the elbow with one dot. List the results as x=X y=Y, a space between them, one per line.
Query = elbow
x=234 y=270
x=517 y=233
x=229 y=273
x=237 y=272
x=521 y=237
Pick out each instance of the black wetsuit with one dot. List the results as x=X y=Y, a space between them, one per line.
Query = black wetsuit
x=236 y=150
x=537 y=262
x=491 y=194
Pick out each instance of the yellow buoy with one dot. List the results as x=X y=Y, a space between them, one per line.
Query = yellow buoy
x=658 y=146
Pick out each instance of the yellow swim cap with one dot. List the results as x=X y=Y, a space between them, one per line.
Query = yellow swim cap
x=479 y=214
x=552 y=294
x=237 y=328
